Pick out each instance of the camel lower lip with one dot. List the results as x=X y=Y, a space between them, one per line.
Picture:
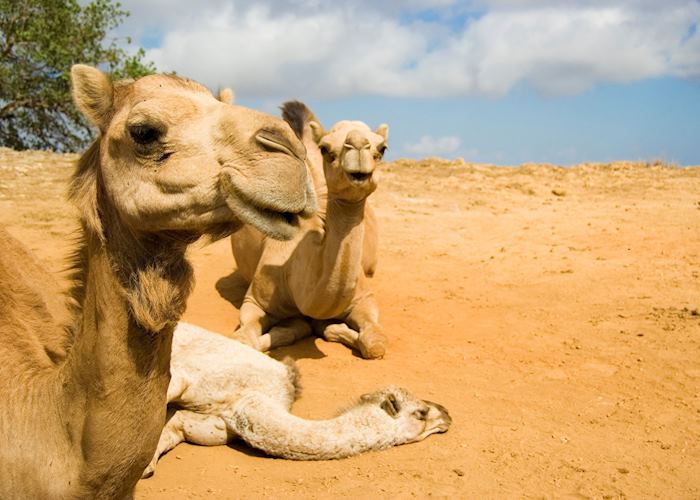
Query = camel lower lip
x=358 y=177
x=288 y=218
x=277 y=225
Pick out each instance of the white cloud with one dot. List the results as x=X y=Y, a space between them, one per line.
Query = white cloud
x=310 y=48
x=434 y=146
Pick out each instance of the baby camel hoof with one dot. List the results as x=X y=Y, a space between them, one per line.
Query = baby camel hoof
x=372 y=347
x=150 y=470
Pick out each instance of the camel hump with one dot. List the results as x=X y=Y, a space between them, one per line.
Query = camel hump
x=297 y=115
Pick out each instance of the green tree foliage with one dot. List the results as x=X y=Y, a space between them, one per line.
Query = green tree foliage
x=39 y=41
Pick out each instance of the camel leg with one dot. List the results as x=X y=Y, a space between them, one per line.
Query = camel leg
x=364 y=317
x=196 y=428
x=286 y=332
x=337 y=332
x=253 y=322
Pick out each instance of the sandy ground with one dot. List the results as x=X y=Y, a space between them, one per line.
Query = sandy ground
x=553 y=311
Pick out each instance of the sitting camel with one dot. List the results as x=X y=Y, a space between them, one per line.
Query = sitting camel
x=322 y=273
x=83 y=405
x=222 y=390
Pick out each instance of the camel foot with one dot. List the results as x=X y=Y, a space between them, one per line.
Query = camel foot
x=149 y=471
x=340 y=332
x=255 y=341
x=372 y=344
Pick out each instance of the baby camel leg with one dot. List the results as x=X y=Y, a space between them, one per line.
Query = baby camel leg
x=253 y=322
x=364 y=318
x=196 y=428
x=286 y=332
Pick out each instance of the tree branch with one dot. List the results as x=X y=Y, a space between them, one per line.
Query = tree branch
x=7 y=109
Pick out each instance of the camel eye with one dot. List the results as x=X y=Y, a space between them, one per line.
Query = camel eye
x=379 y=154
x=326 y=151
x=144 y=134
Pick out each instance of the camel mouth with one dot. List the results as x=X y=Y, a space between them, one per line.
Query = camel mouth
x=444 y=420
x=444 y=427
x=359 y=177
x=279 y=225
x=278 y=218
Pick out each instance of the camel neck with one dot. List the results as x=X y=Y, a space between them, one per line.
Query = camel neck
x=264 y=424
x=117 y=370
x=344 y=214
x=326 y=286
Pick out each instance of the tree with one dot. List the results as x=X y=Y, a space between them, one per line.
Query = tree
x=39 y=41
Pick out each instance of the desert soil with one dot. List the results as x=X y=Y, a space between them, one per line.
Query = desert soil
x=553 y=311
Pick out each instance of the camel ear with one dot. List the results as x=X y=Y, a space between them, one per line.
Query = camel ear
x=226 y=95
x=383 y=130
x=390 y=405
x=92 y=93
x=317 y=131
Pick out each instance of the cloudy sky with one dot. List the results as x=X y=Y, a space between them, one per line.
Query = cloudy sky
x=497 y=81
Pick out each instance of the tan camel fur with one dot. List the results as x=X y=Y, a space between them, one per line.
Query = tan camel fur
x=319 y=273
x=222 y=390
x=83 y=404
x=307 y=127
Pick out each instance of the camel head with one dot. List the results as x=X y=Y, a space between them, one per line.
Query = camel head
x=173 y=158
x=411 y=419
x=351 y=153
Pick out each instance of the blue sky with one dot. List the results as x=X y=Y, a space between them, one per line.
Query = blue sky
x=493 y=81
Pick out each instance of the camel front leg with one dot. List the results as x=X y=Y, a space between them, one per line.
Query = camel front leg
x=184 y=425
x=286 y=332
x=253 y=322
x=364 y=318
x=336 y=332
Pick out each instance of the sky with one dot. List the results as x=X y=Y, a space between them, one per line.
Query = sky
x=489 y=81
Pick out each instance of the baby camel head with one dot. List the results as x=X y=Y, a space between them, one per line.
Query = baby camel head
x=411 y=419
x=351 y=152
x=173 y=158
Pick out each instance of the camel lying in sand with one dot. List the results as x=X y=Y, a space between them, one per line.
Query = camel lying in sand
x=222 y=390
x=83 y=406
x=322 y=273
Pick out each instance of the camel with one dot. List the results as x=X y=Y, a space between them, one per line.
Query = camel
x=83 y=404
x=222 y=390
x=322 y=273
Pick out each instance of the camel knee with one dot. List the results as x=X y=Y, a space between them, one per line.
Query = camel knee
x=204 y=430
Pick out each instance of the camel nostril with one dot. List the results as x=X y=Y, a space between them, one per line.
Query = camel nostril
x=279 y=140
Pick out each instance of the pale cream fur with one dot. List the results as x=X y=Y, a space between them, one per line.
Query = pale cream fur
x=322 y=273
x=223 y=390
x=83 y=387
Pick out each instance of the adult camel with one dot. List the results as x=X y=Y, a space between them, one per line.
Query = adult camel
x=83 y=404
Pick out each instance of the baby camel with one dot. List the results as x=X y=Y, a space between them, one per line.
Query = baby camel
x=221 y=390
x=322 y=273
x=83 y=402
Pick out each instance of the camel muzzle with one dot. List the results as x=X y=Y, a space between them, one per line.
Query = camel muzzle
x=358 y=161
